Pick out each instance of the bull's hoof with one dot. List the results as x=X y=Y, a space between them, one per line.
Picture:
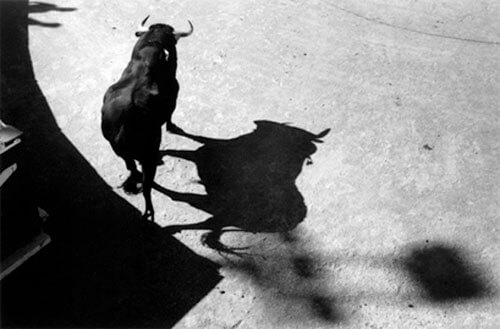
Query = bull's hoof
x=132 y=185
x=149 y=215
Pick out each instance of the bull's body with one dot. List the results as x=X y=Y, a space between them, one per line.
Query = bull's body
x=139 y=103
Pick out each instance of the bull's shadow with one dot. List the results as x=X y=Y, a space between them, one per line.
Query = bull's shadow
x=249 y=180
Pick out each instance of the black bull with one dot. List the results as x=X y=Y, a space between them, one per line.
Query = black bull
x=140 y=102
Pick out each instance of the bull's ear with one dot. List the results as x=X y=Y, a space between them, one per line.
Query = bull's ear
x=139 y=33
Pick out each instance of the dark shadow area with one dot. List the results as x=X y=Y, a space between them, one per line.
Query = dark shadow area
x=444 y=274
x=42 y=7
x=249 y=180
x=105 y=266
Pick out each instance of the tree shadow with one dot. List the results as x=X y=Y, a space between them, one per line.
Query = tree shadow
x=292 y=276
x=105 y=266
x=437 y=272
x=42 y=7
x=445 y=274
x=249 y=180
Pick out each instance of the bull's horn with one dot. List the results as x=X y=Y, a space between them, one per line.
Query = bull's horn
x=179 y=35
x=141 y=27
x=144 y=20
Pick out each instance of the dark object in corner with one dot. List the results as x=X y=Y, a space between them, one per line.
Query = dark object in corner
x=20 y=234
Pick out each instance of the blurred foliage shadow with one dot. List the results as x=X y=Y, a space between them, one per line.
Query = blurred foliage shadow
x=288 y=274
x=444 y=273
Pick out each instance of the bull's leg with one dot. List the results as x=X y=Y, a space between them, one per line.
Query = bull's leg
x=172 y=127
x=133 y=184
x=149 y=171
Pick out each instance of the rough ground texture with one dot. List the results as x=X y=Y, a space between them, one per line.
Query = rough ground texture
x=401 y=228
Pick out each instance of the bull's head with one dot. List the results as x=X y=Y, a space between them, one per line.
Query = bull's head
x=164 y=28
x=163 y=34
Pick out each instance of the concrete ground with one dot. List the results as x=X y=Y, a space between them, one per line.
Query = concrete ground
x=402 y=196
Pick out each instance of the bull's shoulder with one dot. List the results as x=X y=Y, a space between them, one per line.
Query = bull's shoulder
x=127 y=81
x=149 y=57
x=117 y=102
x=145 y=50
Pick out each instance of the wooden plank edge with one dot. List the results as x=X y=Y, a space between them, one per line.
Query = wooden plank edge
x=23 y=254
